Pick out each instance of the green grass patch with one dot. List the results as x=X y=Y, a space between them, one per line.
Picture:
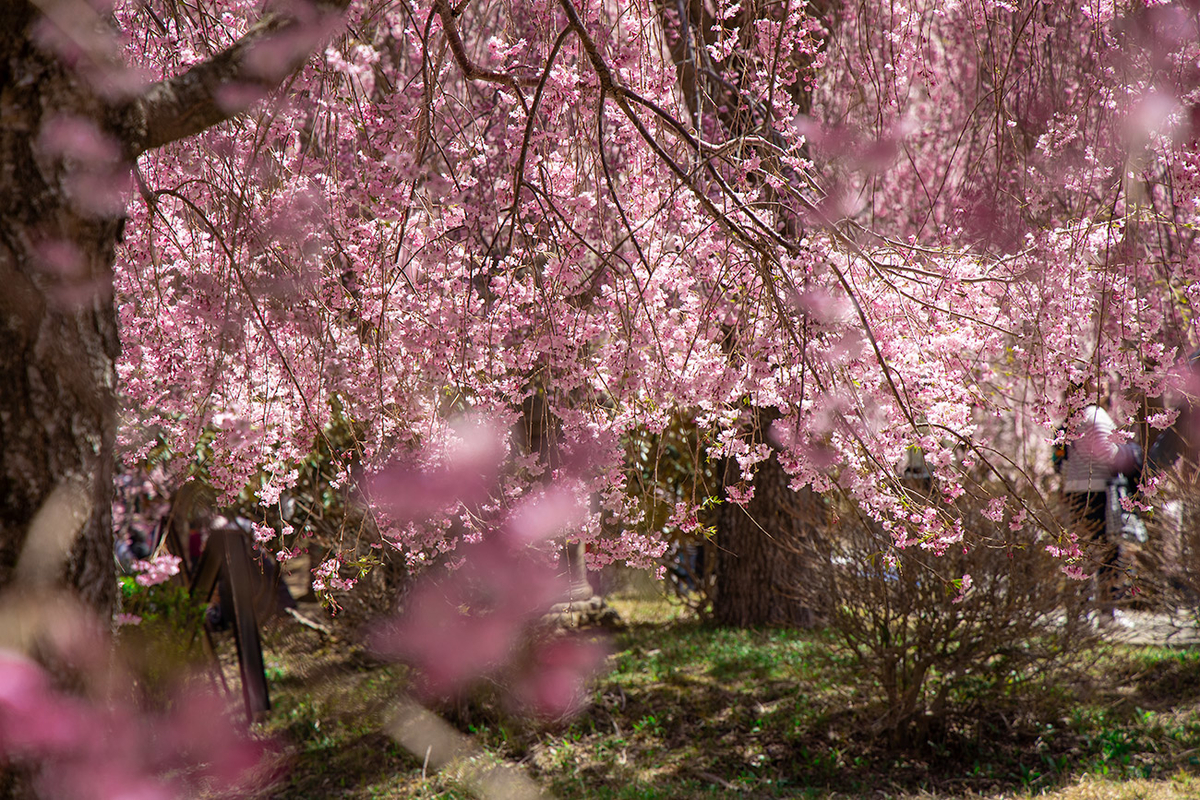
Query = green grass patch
x=688 y=711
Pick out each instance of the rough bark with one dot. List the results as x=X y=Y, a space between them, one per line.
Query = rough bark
x=58 y=334
x=761 y=563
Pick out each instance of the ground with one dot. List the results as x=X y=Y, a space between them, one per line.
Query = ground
x=684 y=710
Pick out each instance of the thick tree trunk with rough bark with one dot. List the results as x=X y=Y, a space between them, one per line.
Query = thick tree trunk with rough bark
x=761 y=554
x=58 y=338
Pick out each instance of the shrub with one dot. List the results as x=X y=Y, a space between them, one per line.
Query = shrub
x=932 y=644
x=167 y=641
x=1166 y=569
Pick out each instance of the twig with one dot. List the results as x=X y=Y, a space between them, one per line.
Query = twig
x=717 y=779
x=320 y=627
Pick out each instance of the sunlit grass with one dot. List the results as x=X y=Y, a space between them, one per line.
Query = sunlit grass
x=685 y=711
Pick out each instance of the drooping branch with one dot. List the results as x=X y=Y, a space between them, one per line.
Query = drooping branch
x=471 y=70
x=226 y=84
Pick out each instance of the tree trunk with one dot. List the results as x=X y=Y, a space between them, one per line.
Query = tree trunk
x=66 y=140
x=58 y=337
x=761 y=555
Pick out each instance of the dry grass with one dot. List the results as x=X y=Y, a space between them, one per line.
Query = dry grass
x=1180 y=787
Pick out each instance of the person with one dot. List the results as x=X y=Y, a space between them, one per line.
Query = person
x=1088 y=465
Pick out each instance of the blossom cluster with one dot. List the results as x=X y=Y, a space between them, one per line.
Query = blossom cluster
x=892 y=228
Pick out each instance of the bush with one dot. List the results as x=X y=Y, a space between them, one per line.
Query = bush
x=1166 y=569
x=167 y=642
x=930 y=648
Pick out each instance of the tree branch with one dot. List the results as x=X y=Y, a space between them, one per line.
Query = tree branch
x=471 y=70
x=228 y=83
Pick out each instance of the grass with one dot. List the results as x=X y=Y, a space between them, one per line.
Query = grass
x=687 y=711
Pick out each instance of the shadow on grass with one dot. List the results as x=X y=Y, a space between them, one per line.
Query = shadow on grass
x=691 y=711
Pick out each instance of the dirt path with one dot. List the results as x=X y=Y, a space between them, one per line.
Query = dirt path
x=1153 y=629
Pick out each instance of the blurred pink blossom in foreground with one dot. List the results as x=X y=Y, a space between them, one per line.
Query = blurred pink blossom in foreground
x=469 y=623
x=556 y=682
x=413 y=491
x=483 y=618
x=85 y=747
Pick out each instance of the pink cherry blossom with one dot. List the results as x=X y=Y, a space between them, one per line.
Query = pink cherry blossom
x=157 y=570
